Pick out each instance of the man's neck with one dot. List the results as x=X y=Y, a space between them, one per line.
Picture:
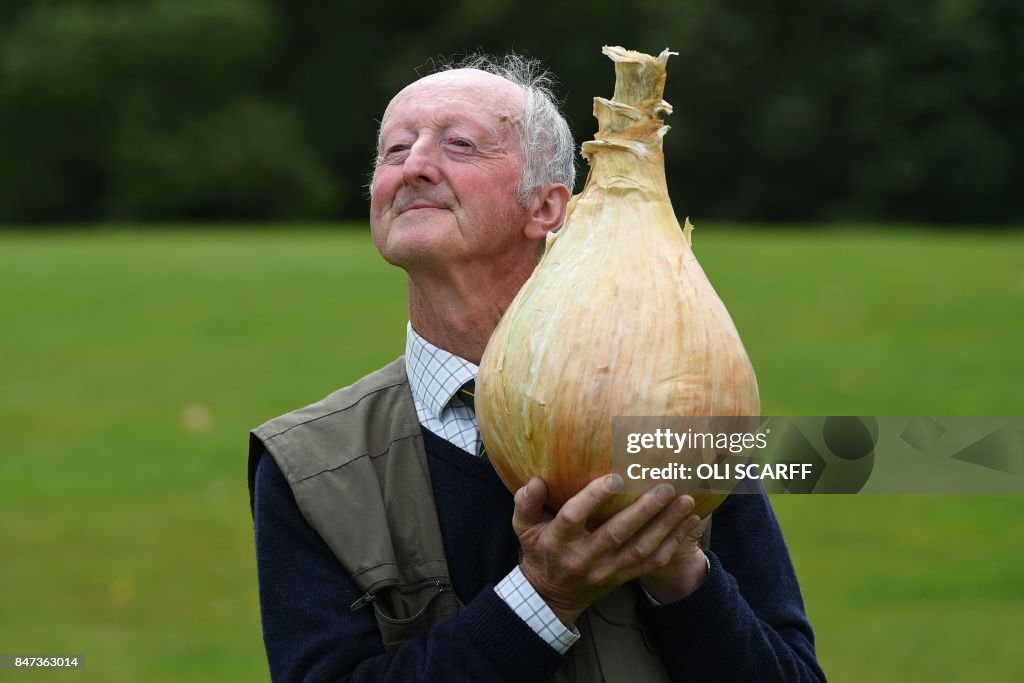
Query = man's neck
x=459 y=314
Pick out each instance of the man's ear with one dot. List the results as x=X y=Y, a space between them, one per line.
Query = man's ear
x=546 y=211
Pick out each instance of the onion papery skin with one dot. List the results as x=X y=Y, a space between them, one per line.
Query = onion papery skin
x=618 y=319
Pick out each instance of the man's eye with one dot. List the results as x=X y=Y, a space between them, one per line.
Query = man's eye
x=396 y=148
x=459 y=142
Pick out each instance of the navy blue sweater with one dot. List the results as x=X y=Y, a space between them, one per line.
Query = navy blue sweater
x=745 y=623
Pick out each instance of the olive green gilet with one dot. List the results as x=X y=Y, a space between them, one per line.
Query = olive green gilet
x=357 y=466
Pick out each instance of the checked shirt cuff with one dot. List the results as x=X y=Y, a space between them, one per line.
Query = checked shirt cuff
x=517 y=592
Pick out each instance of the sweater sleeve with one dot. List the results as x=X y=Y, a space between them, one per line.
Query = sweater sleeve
x=747 y=621
x=311 y=633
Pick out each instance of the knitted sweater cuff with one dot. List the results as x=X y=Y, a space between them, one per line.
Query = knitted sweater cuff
x=507 y=640
x=702 y=608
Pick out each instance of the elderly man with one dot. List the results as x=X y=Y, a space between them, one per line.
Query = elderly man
x=387 y=550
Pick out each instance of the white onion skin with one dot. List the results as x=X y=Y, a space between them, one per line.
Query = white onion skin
x=618 y=319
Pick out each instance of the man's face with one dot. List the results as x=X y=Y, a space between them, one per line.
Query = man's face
x=449 y=162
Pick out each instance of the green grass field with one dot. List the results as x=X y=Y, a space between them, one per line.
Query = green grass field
x=134 y=364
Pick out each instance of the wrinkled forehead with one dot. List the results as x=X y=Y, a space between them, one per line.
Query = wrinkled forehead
x=468 y=91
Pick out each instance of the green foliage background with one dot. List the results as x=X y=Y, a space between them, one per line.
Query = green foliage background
x=136 y=361
x=789 y=110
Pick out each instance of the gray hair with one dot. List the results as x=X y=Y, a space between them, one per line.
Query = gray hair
x=549 y=152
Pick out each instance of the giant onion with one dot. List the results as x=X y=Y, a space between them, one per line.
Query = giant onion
x=617 y=319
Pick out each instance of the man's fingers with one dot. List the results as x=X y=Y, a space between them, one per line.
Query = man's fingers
x=571 y=520
x=643 y=525
x=654 y=545
x=698 y=529
x=669 y=546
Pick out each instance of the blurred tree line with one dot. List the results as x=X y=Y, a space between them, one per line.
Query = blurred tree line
x=242 y=109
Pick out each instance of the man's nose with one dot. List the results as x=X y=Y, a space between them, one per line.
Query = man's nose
x=420 y=165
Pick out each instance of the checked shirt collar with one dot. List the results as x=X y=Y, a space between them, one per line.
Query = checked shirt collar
x=435 y=376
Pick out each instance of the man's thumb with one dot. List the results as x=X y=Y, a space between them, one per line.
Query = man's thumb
x=529 y=501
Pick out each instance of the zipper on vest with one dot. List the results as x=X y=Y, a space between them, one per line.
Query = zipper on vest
x=371 y=594
x=441 y=583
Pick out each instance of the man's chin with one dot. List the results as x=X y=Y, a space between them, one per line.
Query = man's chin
x=412 y=251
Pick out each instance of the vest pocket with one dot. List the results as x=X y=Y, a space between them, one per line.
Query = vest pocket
x=406 y=611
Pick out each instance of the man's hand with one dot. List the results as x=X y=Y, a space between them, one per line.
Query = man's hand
x=571 y=566
x=683 y=574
